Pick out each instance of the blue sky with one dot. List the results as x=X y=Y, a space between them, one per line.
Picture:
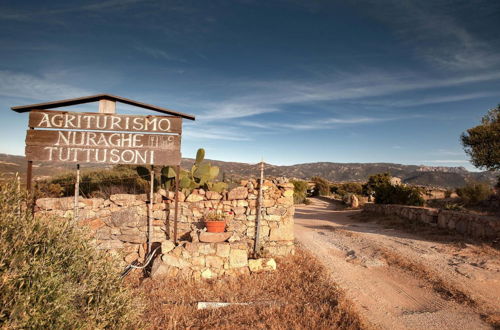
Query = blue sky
x=290 y=81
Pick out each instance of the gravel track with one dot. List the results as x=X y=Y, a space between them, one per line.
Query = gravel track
x=400 y=280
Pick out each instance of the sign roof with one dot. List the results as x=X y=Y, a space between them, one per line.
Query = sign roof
x=97 y=97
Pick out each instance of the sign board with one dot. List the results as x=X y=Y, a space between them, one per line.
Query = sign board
x=78 y=138
x=104 y=122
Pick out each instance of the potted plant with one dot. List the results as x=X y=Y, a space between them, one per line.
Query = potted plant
x=215 y=221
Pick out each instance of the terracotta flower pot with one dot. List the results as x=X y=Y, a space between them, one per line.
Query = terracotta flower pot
x=215 y=226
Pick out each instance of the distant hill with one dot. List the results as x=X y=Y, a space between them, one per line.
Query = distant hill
x=448 y=177
x=337 y=172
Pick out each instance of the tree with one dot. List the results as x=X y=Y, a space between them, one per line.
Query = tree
x=482 y=143
x=375 y=181
x=321 y=186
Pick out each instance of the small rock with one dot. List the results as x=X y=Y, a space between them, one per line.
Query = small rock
x=194 y=198
x=207 y=274
x=167 y=246
x=261 y=265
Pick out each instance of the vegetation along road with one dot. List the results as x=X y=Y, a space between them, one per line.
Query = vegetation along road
x=403 y=277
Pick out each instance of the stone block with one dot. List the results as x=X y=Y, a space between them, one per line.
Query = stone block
x=175 y=261
x=222 y=250
x=241 y=203
x=213 y=195
x=239 y=210
x=268 y=202
x=110 y=245
x=167 y=246
x=194 y=198
x=207 y=274
x=206 y=248
x=284 y=232
x=124 y=199
x=214 y=262
x=261 y=265
x=93 y=224
x=237 y=193
x=160 y=270
x=238 y=258
x=198 y=261
x=207 y=237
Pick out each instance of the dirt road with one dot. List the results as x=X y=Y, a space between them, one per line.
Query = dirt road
x=399 y=280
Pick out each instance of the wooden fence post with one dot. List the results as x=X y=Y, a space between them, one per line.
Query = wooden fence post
x=259 y=211
x=77 y=193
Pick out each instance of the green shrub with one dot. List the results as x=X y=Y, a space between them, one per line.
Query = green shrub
x=398 y=194
x=474 y=192
x=50 y=277
x=342 y=189
x=376 y=180
x=321 y=186
x=299 y=191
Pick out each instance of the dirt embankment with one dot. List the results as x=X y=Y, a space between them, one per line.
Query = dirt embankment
x=400 y=277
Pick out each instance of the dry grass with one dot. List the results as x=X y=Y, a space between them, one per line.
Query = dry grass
x=428 y=232
x=440 y=285
x=298 y=295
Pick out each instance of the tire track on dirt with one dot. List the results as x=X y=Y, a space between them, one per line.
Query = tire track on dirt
x=386 y=294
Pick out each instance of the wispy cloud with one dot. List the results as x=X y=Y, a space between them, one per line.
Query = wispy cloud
x=26 y=86
x=443 y=161
x=158 y=54
x=213 y=133
x=26 y=15
x=255 y=98
x=432 y=100
x=437 y=36
x=233 y=110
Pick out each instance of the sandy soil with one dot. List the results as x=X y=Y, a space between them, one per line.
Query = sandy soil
x=401 y=280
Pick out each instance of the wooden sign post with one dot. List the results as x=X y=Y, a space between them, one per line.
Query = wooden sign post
x=104 y=137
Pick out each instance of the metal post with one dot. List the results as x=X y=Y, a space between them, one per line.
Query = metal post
x=176 y=210
x=151 y=202
x=77 y=192
x=259 y=211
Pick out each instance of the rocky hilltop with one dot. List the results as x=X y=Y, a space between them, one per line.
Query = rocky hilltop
x=449 y=177
x=338 y=172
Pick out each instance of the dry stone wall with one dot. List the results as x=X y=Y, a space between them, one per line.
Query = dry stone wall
x=120 y=224
x=471 y=225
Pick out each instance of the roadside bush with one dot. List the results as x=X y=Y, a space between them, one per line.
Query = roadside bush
x=343 y=189
x=321 y=186
x=380 y=179
x=299 y=191
x=50 y=277
x=398 y=194
x=473 y=193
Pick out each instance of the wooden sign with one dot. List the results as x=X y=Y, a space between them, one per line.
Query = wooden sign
x=79 y=138
x=104 y=122
x=106 y=156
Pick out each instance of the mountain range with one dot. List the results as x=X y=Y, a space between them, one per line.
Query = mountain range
x=446 y=177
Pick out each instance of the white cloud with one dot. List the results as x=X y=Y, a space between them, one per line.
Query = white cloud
x=26 y=86
x=233 y=110
x=97 y=6
x=442 y=161
x=439 y=34
x=198 y=131
x=432 y=100
x=158 y=54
